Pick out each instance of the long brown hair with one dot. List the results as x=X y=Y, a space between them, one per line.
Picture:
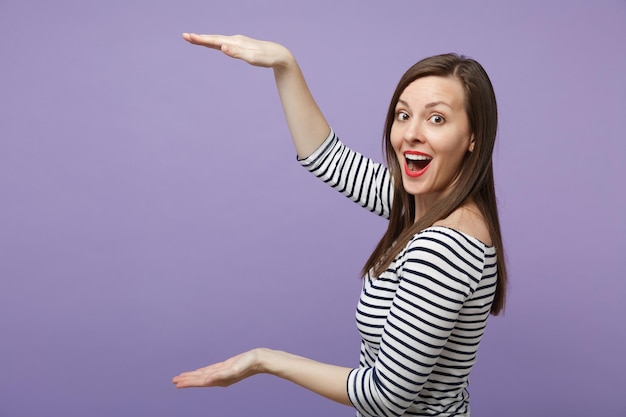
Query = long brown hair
x=474 y=180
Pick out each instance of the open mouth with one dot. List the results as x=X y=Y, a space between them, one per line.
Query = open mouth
x=416 y=163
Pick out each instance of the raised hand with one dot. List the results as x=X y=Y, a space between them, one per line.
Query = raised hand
x=221 y=374
x=306 y=122
x=253 y=51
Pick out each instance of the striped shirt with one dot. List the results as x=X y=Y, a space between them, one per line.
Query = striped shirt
x=422 y=320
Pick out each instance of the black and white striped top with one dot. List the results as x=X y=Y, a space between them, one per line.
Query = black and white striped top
x=422 y=320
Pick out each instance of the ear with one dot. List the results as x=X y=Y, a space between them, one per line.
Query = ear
x=471 y=144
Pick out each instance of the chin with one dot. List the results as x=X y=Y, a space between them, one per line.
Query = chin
x=415 y=191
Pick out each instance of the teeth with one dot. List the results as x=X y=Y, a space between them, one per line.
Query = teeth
x=413 y=157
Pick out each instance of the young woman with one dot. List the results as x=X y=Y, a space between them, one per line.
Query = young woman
x=437 y=273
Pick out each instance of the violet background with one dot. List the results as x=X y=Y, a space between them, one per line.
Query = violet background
x=153 y=218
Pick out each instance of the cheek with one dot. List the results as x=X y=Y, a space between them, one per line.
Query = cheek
x=395 y=144
x=453 y=143
x=454 y=160
x=396 y=140
x=451 y=153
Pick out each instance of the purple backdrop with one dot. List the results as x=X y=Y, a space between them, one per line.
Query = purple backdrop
x=153 y=218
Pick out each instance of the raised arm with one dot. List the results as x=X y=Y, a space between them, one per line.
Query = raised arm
x=306 y=123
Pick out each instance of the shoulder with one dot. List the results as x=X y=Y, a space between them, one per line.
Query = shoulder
x=468 y=220
x=445 y=245
x=444 y=260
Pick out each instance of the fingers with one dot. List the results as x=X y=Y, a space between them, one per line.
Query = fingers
x=203 y=377
x=182 y=381
x=210 y=41
x=221 y=374
x=191 y=379
x=229 y=45
x=253 y=51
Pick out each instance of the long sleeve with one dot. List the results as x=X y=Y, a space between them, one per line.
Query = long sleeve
x=359 y=178
x=421 y=322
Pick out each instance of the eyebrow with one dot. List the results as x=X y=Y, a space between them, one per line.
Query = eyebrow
x=428 y=105
x=436 y=103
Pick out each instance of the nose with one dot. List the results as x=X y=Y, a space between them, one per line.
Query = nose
x=413 y=131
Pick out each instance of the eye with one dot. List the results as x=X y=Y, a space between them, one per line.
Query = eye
x=436 y=119
x=402 y=116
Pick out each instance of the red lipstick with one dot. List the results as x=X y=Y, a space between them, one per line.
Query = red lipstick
x=416 y=163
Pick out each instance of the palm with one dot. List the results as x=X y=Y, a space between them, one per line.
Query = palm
x=221 y=374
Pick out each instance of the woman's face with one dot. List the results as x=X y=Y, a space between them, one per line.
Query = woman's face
x=430 y=136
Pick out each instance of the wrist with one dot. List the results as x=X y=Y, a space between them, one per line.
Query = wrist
x=264 y=360
x=285 y=63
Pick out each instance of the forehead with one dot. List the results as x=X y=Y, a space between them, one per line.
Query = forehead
x=434 y=89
